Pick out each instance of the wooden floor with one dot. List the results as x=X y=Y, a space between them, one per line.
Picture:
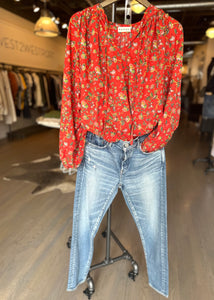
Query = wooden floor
x=34 y=229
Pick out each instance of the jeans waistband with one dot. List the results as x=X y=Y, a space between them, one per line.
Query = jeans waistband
x=101 y=142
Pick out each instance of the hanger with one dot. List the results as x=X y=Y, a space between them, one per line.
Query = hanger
x=145 y=3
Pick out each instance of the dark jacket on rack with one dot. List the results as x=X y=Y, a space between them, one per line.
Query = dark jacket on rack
x=210 y=77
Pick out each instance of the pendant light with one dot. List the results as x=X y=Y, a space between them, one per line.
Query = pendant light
x=210 y=31
x=137 y=7
x=35 y=8
x=45 y=26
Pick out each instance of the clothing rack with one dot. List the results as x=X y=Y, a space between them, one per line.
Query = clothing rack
x=108 y=233
x=27 y=68
x=20 y=68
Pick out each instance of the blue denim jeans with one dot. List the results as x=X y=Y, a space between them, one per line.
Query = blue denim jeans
x=141 y=176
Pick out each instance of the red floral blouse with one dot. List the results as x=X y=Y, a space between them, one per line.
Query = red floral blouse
x=120 y=85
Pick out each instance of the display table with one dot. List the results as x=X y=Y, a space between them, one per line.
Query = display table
x=52 y=120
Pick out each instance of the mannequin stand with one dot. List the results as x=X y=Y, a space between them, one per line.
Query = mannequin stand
x=108 y=260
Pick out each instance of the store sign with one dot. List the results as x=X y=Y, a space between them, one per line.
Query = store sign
x=16 y=45
x=20 y=46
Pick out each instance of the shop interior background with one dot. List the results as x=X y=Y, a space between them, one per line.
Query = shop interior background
x=36 y=197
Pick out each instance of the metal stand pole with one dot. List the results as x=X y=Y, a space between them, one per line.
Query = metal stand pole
x=108 y=260
x=108 y=235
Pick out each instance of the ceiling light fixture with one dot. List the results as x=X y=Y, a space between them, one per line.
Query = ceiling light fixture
x=36 y=8
x=64 y=26
x=45 y=26
x=54 y=19
x=57 y=21
x=210 y=31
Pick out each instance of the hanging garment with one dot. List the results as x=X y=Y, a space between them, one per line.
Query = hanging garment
x=210 y=69
x=208 y=107
x=187 y=93
x=206 y=125
x=210 y=85
x=52 y=92
x=1 y=106
x=14 y=83
x=11 y=117
x=46 y=91
x=96 y=94
x=207 y=121
x=37 y=91
x=16 y=100
x=210 y=77
x=29 y=83
x=42 y=87
x=57 y=89
x=27 y=92
x=3 y=99
x=21 y=96
x=212 y=149
x=142 y=178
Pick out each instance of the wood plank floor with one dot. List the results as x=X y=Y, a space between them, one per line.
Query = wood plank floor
x=34 y=229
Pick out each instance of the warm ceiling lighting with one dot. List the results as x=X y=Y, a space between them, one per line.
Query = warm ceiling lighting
x=36 y=8
x=137 y=7
x=64 y=26
x=210 y=31
x=57 y=21
x=45 y=27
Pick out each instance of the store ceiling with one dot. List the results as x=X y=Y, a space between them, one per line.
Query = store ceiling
x=195 y=20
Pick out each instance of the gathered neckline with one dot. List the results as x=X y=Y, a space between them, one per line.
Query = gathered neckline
x=138 y=26
x=147 y=12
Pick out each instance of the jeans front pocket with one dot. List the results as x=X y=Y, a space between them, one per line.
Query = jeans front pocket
x=95 y=141
x=96 y=145
x=148 y=153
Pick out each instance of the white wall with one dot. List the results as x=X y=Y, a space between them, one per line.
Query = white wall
x=20 y=46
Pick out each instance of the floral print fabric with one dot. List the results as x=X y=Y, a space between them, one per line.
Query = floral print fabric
x=120 y=85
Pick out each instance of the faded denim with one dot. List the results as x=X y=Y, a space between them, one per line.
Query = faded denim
x=141 y=176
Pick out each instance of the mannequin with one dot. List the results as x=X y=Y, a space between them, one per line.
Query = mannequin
x=116 y=136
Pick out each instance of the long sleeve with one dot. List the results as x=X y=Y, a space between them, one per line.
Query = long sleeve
x=169 y=120
x=70 y=122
